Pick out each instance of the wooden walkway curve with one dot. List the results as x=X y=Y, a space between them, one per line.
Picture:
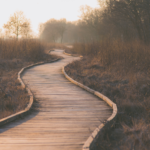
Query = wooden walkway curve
x=66 y=115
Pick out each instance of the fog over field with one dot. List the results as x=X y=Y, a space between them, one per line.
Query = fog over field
x=39 y=11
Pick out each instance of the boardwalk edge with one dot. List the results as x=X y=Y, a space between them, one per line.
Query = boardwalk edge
x=108 y=122
x=29 y=106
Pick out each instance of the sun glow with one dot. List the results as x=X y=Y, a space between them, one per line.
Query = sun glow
x=39 y=11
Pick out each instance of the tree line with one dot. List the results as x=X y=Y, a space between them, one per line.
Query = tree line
x=124 y=19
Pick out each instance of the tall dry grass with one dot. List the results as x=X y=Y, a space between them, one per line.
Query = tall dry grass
x=121 y=71
x=15 y=54
x=29 y=50
x=131 y=54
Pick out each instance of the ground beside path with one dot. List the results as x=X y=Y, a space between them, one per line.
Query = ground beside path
x=66 y=115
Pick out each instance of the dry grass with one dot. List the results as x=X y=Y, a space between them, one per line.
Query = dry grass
x=28 y=50
x=121 y=72
x=15 y=54
x=12 y=97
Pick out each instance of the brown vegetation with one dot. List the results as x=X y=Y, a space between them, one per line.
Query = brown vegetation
x=117 y=64
x=15 y=54
x=18 y=25
x=121 y=72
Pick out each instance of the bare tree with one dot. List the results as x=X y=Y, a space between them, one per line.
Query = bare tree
x=18 y=24
x=130 y=15
x=92 y=22
x=26 y=29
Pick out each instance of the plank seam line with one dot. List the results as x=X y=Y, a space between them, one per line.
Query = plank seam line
x=95 y=133
x=29 y=106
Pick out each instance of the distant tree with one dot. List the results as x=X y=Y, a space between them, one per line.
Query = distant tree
x=92 y=22
x=52 y=30
x=91 y=16
x=61 y=28
x=132 y=16
x=26 y=29
x=40 y=28
x=18 y=25
x=0 y=33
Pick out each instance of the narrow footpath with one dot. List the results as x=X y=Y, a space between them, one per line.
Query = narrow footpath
x=66 y=114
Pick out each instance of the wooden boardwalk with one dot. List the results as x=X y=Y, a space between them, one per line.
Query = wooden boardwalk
x=66 y=115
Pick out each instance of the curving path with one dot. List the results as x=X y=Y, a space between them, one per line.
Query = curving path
x=66 y=115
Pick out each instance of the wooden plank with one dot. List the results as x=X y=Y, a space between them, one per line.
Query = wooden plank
x=66 y=114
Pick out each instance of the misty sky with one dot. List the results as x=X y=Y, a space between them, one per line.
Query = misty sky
x=39 y=11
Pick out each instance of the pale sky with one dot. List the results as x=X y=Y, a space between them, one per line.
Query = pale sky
x=39 y=11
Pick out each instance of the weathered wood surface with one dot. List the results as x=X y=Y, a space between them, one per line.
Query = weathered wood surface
x=66 y=114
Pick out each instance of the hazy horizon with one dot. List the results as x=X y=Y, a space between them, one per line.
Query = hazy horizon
x=40 y=11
